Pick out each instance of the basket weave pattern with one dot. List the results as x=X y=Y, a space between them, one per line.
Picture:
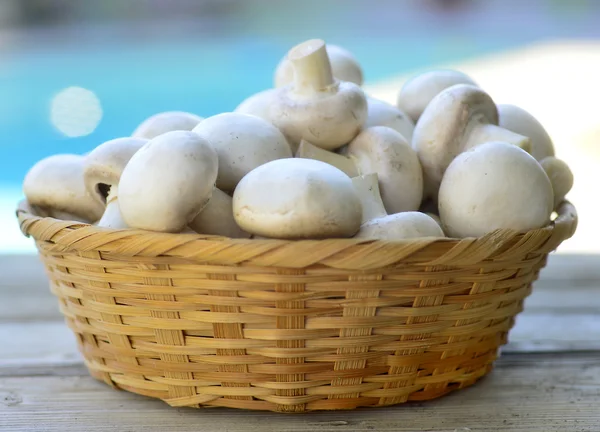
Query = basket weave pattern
x=289 y=326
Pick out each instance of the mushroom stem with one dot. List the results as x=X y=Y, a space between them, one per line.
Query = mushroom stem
x=112 y=215
x=217 y=218
x=367 y=188
x=312 y=68
x=307 y=150
x=483 y=133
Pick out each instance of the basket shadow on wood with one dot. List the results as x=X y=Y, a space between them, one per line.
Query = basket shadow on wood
x=289 y=326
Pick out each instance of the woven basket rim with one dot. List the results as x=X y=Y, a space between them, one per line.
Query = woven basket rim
x=501 y=245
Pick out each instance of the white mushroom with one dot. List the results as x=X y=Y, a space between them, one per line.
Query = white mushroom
x=417 y=92
x=243 y=142
x=494 y=185
x=381 y=113
x=168 y=182
x=377 y=224
x=102 y=171
x=518 y=120
x=344 y=67
x=297 y=199
x=217 y=218
x=560 y=176
x=383 y=151
x=164 y=122
x=316 y=106
x=259 y=104
x=457 y=119
x=55 y=185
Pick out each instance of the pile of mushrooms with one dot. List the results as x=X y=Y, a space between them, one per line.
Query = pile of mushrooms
x=315 y=157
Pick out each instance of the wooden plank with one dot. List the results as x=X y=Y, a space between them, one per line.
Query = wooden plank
x=525 y=393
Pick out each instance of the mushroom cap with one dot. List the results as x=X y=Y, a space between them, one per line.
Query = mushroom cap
x=518 y=120
x=55 y=184
x=328 y=120
x=168 y=121
x=439 y=135
x=243 y=142
x=103 y=165
x=417 y=92
x=381 y=113
x=297 y=198
x=400 y=226
x=258 y=104
x=217 y=218
x=168 y=182
x=344 y=65
x=560 y=175
x=382 y=150
x=492 y=186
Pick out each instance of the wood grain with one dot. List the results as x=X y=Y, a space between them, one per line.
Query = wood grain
x=544 y=392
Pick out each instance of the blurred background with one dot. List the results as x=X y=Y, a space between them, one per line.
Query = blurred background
x=75 y=73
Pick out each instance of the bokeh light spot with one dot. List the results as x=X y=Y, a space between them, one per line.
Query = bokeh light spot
x=75 y=111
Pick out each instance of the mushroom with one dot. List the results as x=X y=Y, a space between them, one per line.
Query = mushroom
x=168 y=182
x=297 y=199
x=259 y=104
x=494 y=185
x=383 y=114
x=384 y=151
x=560 y=176
x=217 y=218
x=102 y=171
x=377 y=224
x=344 y=67
x=457 y=119
x=417 y=92
x=55 y=185
x=168 y=121
x=316 y=106
x=243 y=142
x=518 y=120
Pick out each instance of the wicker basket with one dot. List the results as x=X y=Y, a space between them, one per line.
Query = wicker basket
x=289 y=326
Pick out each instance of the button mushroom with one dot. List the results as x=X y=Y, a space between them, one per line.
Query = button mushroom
x=102 y=171
x=560 y=176
x=384 y=151
x=344 y=67
x=518 y=120
x=168 y=182
x=417 y=92
x=55 y=185
x=217 y=217
x=377 y=224
x=243 y=142
x=316 y=106
x=383 y=114
x=258 y=104
x=494 y=185
x=457 y=119
x=297 y=199
x=168 y=121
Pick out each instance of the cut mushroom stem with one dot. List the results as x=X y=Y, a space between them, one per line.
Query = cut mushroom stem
x=307 y=150
x=367 y=187
x=217 y=218
x=311 y=66
x=377 y=224
x=112 y=214
x=560 y=176
x=482 y=133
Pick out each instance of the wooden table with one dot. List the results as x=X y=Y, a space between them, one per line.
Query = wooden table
x=547 y=379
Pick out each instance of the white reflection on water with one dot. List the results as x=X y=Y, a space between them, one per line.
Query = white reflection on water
x=75 y=111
